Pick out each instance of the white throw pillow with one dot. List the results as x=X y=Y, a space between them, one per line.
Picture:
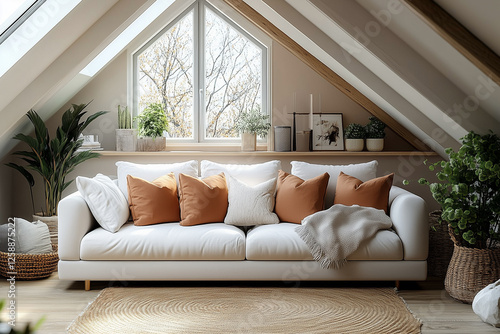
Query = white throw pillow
x=249 y=174
x=250 y=205
x=150 y=172
x=105 y=200
x=363 y=171
x=30 y=237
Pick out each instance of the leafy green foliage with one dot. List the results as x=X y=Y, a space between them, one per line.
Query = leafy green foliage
x=153 y=121
x=28 y=329
x=53 y=159
x=375 y=128
x=355 y=131
x=253 y=121
x=124 y=118
x=469 y=190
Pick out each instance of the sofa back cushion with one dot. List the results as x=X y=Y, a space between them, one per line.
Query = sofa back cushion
x=363 y=171
x=150 y=172
x=153 y=202
x=251 y=175
x=202 y=200
x=297 y=199
x=372 y=193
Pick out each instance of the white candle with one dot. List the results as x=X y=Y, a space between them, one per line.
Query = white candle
x=294 y=101
x=319 y=103
x=311 y=114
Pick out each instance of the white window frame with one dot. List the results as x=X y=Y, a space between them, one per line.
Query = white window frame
x=163 y=24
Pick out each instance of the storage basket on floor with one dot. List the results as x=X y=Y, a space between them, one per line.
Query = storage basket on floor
x=440 y=246
x=30 y=266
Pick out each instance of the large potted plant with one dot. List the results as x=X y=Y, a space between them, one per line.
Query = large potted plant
x=152 y=123
x=53 y=159
x=354 y=137
x=375 y=134
x=468 y=191
x=126 y=137
x=251 y=124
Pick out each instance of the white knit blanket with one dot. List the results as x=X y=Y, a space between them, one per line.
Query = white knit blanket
x=334 y=234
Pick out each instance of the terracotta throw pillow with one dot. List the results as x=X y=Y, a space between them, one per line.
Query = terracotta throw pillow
x=202 y=201
x=297 y=199
x=373 y=193
x=153 y=202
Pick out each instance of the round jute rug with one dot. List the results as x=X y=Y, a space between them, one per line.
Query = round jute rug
x=246 y=310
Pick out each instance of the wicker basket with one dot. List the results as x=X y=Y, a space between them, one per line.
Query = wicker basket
x=30 y=266
x=470 y=270
x=440 y=246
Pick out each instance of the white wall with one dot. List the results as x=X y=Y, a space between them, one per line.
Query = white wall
x=289 y=76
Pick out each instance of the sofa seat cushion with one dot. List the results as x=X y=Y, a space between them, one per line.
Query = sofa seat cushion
x=281 y=242
x=168 y=241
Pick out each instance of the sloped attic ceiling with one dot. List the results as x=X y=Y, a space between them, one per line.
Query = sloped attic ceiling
x=432 y=103
x=393 y=72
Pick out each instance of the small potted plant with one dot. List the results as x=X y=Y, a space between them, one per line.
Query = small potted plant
x=468 y=191
x=354 y=137
x=251 y=124
x=152 y=123
x=126 y=137
x=375 y=134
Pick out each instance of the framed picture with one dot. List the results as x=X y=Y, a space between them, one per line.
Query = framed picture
x=328 y=132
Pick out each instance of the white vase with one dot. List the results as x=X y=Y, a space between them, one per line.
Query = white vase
x=149 y=144
x=375 y=144
x=248 y=141
x=354 y=145
x=52 y=224
x=126 y=140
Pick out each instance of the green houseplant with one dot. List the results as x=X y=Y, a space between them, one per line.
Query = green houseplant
x=126 y=137
x=251 y=124
x=152 y=122
x=53 y=159
x=375 y=134
x=468 y=190
x=355 y=135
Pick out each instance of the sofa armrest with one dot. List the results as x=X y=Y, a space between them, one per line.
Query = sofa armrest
x=409 y=218
x=75 y=220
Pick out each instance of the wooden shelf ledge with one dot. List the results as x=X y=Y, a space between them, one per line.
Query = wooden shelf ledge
x=273 y=153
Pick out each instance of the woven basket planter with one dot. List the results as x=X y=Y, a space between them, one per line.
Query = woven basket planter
x=470 y=270
x=440 y=246
x=29 y=266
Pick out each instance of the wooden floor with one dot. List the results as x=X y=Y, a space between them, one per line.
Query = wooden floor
x=62 y=301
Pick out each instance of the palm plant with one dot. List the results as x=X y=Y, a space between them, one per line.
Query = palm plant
x=53 y=159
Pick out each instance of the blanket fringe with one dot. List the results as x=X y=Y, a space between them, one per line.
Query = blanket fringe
x=318 y=254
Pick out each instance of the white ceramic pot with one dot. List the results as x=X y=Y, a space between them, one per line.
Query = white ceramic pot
x=354 y=145
x=248 y=141
x=148 y=144
x=126 y=140
x=375 y=144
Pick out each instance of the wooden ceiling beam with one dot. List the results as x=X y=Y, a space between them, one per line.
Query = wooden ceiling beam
x=458 y=36
x=324 y=71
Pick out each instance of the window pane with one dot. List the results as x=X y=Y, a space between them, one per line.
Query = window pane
x=233 y=77
x=12 y=10
x=165 y=75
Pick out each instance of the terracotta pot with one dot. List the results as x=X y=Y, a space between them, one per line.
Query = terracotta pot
x=375 y=144
x=354 y=145
x=470 y=270
x=248 y=141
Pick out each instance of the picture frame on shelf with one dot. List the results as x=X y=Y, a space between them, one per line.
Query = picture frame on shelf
x=328 y=132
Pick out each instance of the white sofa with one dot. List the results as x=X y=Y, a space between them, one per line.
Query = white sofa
x=218 y=251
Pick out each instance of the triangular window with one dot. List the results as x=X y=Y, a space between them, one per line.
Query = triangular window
x=205 y=70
